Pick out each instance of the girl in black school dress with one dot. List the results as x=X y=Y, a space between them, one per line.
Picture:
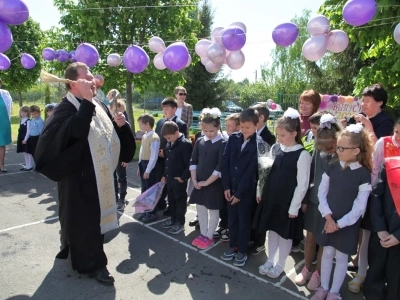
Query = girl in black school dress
x=279 y=211
x=23 y=135
x=205 y=168
x=343 y=194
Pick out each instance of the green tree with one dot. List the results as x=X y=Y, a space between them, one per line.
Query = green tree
x=27 y=38
x=374 y=45
x=113 y=25
x=204 y=88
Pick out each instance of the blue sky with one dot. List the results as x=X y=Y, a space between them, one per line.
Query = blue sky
x=259 y=16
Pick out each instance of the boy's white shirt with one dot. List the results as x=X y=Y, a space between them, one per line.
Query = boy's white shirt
x=154 y=148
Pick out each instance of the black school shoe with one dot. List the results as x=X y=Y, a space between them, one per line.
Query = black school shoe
x=218 y=234
x=103 y=276
x=194 y=222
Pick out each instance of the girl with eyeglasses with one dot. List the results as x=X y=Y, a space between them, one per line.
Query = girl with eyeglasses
x=343 y=195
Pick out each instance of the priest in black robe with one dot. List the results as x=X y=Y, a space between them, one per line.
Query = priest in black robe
x=79 y=148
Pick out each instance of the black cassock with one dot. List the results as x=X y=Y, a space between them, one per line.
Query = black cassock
x=63 y=155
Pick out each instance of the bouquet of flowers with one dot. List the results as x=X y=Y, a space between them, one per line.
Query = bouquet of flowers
x=148 y=200
x=265 y=162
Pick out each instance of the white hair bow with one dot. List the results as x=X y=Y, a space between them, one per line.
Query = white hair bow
x=327 y=120
x=291 y=113
x=355 y=128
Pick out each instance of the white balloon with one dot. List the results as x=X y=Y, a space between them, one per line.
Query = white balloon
x=318 y=25
x=216 y=34
x=156 y=44
x=159 y=61
x=189 y=61
x=201 y=47
x=396 y=34
x=315 y=47
x=216 y=53
x=337 y=41
x=204 y=60
x=235 y=59
x=212 y=67
x=114 y=60
x=241 y=25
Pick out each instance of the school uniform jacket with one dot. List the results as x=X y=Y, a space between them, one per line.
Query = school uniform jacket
x=177 y=159
x=384 y=215
x=240 y=167
x=181 y=125
x=267 y=136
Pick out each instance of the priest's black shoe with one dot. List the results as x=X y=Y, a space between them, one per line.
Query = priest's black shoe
x=103 y=276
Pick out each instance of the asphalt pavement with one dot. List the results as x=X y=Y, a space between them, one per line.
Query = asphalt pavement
x=146 y=261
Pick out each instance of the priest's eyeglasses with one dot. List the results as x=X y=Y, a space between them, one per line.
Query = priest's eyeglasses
x=341 y=149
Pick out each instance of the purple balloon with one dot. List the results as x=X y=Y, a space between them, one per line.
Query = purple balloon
x=5 y=62
x=233 y=38
x=176 y=56
x=28 y=61
x=72 y=56
x=87 y=54
x=285 y=34
x=62 y=55
x=13 y=12
x=6 y=38
x=359 y=12
x=136 y=59
x=48 y=53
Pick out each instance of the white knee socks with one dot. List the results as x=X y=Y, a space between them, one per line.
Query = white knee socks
x=363 y=255
x=275 y=244
x=28 y=160
x=326 y=269
x=207 y=226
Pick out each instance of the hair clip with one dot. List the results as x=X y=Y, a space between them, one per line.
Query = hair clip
x=327 y=120
x=291 y=113
x=355 y=128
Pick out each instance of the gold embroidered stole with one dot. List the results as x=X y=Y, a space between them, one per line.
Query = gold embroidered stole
x=105 y=148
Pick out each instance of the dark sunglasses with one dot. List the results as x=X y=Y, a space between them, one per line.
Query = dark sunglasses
x=182 y=94
x=341 y=149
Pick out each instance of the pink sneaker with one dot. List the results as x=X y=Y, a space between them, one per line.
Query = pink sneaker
x=320 y=294
x=205 y=243
x=315 y=281
x=333 y=296
x=197 y=240
x=303 y=277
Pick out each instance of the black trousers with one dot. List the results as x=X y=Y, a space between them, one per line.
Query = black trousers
x=383 y=276
x=152 y=180
x=223 y=215
x=121 y=179
x=239 y=223
x=258 y=237
x=177 y=198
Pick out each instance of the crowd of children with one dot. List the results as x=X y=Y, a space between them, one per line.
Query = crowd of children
x=319 y=183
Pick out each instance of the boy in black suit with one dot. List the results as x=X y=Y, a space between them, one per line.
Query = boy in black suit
x=239 y=177
x=262 y=129
x=258 y=238
x=176 y=174
x=383 y=275
x=169 y=106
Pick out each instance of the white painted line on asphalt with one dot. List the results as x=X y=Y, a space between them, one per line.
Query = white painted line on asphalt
x=278 y=284
x=20 y=164
x=135 y=189
x=209 y=248
x=29 y=224
x=5 y=174
x=293 y=270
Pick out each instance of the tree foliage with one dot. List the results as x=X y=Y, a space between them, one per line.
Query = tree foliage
x=204 y=88
x=374 y=45
x=113 y=25
x=27 y=38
